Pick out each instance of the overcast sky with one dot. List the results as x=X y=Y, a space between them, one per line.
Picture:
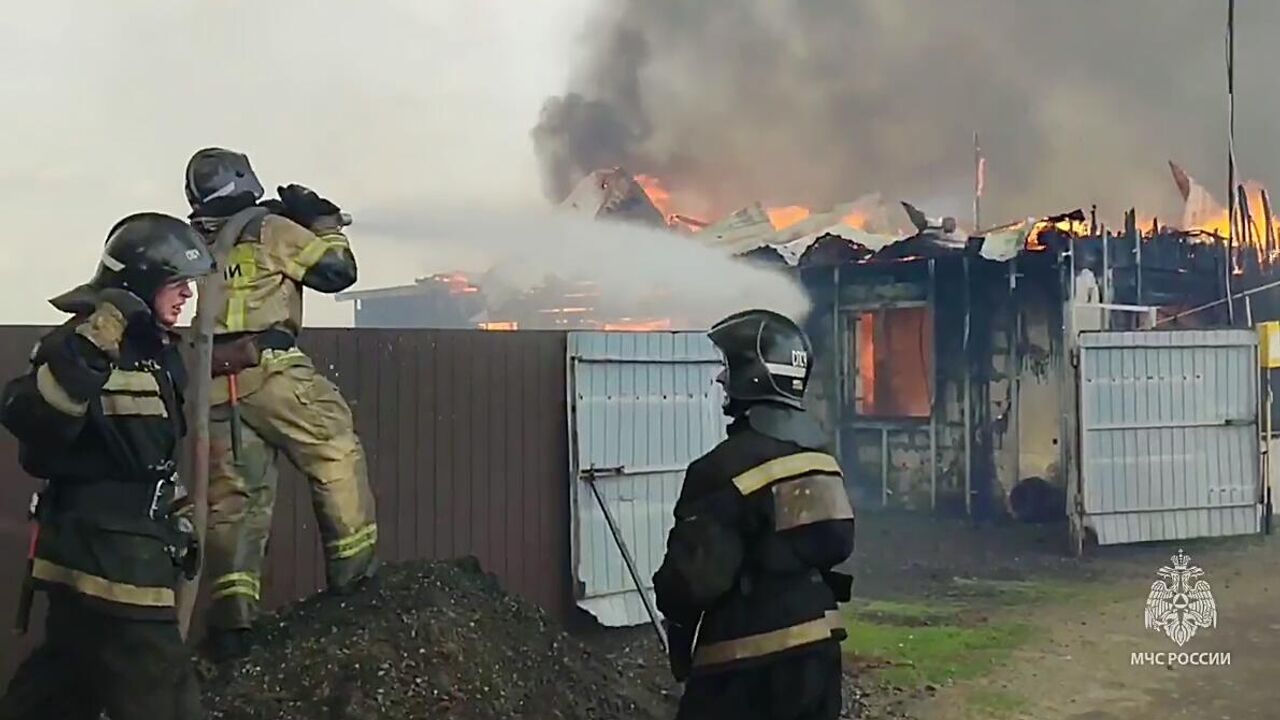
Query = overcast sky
x=374 y=104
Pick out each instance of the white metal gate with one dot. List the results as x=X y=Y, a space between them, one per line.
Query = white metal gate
x=1169 y=444
x=642 y=406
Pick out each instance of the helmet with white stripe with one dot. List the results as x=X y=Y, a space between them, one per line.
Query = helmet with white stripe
x=221 y=182
x=147 y=250
x=767 y=358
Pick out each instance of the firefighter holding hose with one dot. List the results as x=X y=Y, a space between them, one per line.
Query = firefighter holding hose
x=99 y=418
x=760 y=524
x=267 y=395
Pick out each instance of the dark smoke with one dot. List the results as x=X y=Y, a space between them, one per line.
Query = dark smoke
x=819 y=101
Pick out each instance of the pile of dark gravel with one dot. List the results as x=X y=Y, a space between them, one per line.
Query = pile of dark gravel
x=433 y=640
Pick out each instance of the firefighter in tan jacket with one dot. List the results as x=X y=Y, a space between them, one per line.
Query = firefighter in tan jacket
x=267 y=395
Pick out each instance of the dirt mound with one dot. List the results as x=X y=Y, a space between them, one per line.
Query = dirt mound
x=433 y=640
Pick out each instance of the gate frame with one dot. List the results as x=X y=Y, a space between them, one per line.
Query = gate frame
x=1074 y=429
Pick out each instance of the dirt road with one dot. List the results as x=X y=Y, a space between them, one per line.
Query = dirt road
x=1080 y=668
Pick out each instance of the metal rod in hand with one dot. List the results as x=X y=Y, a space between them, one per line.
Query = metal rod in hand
x=233 y=396
x=26 y=596
x=626 y=557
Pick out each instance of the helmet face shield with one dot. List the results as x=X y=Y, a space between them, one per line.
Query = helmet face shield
x=722 y=378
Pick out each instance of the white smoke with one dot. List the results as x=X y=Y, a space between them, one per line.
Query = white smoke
x=667 y=274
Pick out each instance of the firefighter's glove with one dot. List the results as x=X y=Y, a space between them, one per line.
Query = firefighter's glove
x=307 y=208
x=181 y=508
x=680 y=650
x=188 y=552
x=116 y=310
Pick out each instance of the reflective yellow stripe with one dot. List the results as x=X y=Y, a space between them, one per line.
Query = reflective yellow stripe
x=242 y=268
x=131 y=381
x=272 y=358
x=100 y=587
x=354 y=544
x=235 y=577
x=57 y=397
x=312 y=253
x=238 y=583
x=785 y=467
x=149 y=405
x=768 y=643
x=809 y=499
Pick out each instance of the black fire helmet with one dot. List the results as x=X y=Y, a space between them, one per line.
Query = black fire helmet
x=767 y=358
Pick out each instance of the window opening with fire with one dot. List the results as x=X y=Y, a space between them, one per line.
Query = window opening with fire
x=890 y=362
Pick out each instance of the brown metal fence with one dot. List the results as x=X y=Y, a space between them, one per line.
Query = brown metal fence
x=466 y=436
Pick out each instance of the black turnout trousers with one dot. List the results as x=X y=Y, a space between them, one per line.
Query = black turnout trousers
x=92 y=662
x=798 y=686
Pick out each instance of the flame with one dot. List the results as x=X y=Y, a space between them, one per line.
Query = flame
x=855 y=220
x=629 y=325
x=784 y=217
x=781 y=217
x=788 y=215
x=1074 y=228
x=658 y=194
x=503 y=326
x=1251 y=231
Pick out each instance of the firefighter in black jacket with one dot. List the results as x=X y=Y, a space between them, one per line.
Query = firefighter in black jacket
x=99 y=418
x=761 y=521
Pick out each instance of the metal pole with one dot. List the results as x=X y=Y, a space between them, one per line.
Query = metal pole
x=968 y=393
x=1106 y=284
x=1266 y=503
x=1231 y=154
x=978 y=171
x=884 y=467
x=590 y=477
x=1137 y=251
x=1270 y=237
x=933 y=384
x=838 y=349
x=1015 y=366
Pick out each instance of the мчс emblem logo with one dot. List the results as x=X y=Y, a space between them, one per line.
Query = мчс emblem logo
x=1179 y=607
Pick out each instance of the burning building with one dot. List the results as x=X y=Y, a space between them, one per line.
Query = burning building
x=943 y=357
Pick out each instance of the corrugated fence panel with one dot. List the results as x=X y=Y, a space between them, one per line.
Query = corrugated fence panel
x=466 y=436
x=1169 y=430
x=645 y=405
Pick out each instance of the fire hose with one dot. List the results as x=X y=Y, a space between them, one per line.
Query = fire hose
x=209 y=298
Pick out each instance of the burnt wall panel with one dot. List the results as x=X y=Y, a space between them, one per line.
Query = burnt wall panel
x=465 y=433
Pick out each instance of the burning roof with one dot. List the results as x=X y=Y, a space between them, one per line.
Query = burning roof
x=862 y=231
x=614 y=194
x=1170 y=263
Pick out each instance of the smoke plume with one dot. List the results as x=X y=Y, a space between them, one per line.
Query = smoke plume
x=819 y=101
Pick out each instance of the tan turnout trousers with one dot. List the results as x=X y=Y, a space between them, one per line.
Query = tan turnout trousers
x=285 y=405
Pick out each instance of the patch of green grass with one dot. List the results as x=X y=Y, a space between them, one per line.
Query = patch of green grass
x=1012 y=592
x=903 y=613
x=934 y=655
x=993 y=703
